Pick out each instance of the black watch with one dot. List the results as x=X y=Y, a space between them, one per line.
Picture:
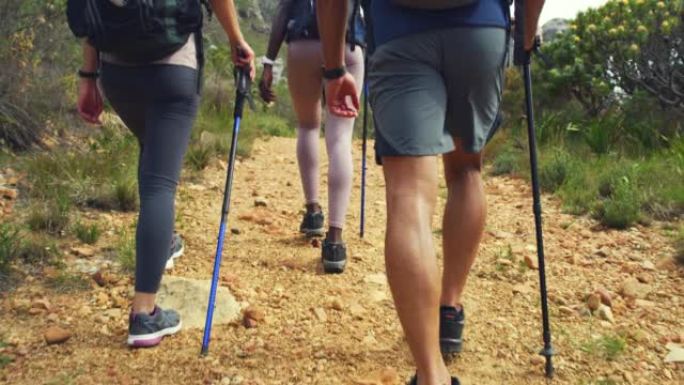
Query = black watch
x=88 y=75
x=334 y=73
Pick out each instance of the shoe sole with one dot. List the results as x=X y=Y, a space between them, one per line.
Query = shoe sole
x=313 y=232
x=171 y=261
x=450 y=346
x=334 y=267
x=152 y=339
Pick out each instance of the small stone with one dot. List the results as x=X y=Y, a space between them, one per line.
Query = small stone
x=320 y=314
x=235 y=231
x=99 y=278
x=249 y=323
x=648 y=265
x=35 y=311
x=83 y=251
x=676 y=353
x=56 y=335
x=537 y=360
x=644 y=278
x=531 y=262
x=605 y=297
x=593 y=302
x=565 y=310
x=8 y=193
x=605 y=313
x=634 y=289
x=316 y=243
x=356 y=310
x=377 y=278
x=52 y=317
x=336 y=304
x=260 y=202
x=255 y=313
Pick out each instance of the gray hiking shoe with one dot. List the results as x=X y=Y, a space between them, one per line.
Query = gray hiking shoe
x=334 y=257
x=177 y=249
x=147 y=330
x=312 y=224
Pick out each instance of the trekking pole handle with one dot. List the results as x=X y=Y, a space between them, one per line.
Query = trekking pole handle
x=520 y=56
x=242 y=85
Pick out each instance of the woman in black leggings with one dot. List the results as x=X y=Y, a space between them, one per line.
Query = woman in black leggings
x=158 y=102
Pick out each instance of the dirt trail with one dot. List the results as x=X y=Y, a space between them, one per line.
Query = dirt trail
x=340 y=329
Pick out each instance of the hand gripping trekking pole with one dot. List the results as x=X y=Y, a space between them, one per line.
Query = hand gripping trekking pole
x=522 y=58
x=364 y=149
x=242 y=84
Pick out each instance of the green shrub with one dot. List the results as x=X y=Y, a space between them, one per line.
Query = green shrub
x=606 y=347
x=125 y=250
x=50 y=217
x=554 y=170
x=38 y=249
x=679 y=245
x=598 y=133
x=621 y=208
x=66 y=282
x=506 y=163
x=126 y=193
x=199 y=156
x=87 y=233
x=9 y=246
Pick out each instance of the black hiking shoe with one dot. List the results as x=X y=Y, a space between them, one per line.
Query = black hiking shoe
x=177 y=249
x=312 y=224
x=414 y=381
x=147 y=330
x=334 y=257
x=451 y=322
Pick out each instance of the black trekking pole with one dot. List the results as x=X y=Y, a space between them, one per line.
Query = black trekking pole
x=523 y=58
x=364 y=147
x=242 y=84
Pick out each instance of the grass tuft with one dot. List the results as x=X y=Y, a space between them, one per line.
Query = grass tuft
x=66 y=282
x=89 y=234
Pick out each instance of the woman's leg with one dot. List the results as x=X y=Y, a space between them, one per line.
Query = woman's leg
x=169 y=120
x=338 y=140
x=304 y=80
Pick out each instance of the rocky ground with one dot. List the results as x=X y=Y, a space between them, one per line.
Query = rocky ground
x=616 y=297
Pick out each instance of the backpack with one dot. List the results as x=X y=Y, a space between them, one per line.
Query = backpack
x=137 y=31
x=302 y=24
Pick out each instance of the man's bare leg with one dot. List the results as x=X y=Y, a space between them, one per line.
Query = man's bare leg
x=411 y=188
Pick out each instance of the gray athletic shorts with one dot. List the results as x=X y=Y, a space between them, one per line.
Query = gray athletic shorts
x=427 y=88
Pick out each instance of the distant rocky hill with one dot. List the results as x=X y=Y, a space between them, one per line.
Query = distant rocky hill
x=553 y=27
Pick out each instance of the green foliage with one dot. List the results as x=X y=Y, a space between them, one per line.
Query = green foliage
x=125 y=250
x=9 y=246
x=607 y=347
x=630 y=44
x=51 y=217
x=621 y=208
x=37 y=249
x=66 y=282
x=679 y=245
x=101 y=176
x=87 y=233
x=554 y=170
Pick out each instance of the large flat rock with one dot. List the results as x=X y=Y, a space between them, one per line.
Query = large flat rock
x=190 y=296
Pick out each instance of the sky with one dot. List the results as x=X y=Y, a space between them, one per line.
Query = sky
x=566 y=9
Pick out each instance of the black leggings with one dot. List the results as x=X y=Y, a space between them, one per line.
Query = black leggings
x=158 y=103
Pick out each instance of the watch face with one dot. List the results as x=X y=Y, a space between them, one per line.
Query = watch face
x=119 y=3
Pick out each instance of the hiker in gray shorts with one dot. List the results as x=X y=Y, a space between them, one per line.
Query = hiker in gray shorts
x=435 y=80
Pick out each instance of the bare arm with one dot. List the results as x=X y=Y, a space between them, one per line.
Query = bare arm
x=341 y=95
x=533 y=9
x=241 y=53
x=278 y=29
x=227 y=15
x=332 y=24
x=89 y=57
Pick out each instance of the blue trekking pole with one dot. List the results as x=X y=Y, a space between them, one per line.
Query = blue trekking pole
x=363 y=153
x=522 y=58
x=242 y=84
